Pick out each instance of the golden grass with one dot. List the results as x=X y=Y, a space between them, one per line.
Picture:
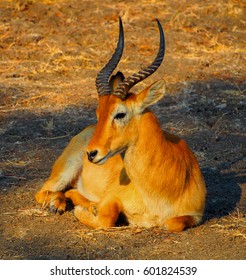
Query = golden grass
x=233 y=225
x=69 y=64
x=34 y=212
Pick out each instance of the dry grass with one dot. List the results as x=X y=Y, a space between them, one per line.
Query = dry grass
x=234 y=225
x=48 y=63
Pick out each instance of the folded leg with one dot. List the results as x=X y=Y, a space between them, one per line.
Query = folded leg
x=103 y=215
x=66 y=171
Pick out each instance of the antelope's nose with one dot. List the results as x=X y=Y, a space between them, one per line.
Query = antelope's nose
x=92 y=155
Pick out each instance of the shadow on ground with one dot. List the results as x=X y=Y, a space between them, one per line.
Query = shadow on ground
x=209 y=115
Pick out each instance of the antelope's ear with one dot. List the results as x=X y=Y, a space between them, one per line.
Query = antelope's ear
x=150 y=95
x=115 y=80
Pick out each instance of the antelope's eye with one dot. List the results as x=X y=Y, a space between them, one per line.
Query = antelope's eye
x=119 y=116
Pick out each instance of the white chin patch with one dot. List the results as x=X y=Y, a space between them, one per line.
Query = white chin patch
x=110 y=154
x=102 y=161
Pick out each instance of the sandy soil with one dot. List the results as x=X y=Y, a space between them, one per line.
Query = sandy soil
x=50 y=53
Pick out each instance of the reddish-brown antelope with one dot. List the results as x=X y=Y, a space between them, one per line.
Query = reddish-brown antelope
x=126 y=163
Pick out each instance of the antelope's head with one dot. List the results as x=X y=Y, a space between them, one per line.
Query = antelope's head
x=118 y=110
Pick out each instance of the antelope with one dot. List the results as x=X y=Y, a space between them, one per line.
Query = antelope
x=126 y=163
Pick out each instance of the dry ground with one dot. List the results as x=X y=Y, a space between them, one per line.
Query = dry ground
x=50 y=53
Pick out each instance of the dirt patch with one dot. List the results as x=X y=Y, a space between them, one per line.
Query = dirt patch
x=50 y=54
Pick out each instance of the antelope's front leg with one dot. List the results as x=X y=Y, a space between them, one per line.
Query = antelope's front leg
x=79 y=200
x=56 y=201
x=51 y=195
x=102 y=215
x=66 y=170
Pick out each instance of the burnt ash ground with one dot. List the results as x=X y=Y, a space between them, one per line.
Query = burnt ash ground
x=50 y=54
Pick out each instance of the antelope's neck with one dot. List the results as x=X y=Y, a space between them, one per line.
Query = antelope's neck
x=148 y=153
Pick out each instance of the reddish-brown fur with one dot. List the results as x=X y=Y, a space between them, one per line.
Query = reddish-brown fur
x=149 y=175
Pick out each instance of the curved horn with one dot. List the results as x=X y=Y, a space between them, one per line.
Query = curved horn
x=102 y=83
x=131 y=81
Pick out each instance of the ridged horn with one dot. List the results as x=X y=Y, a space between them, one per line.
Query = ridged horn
x=131 y=81
x=102 y=82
